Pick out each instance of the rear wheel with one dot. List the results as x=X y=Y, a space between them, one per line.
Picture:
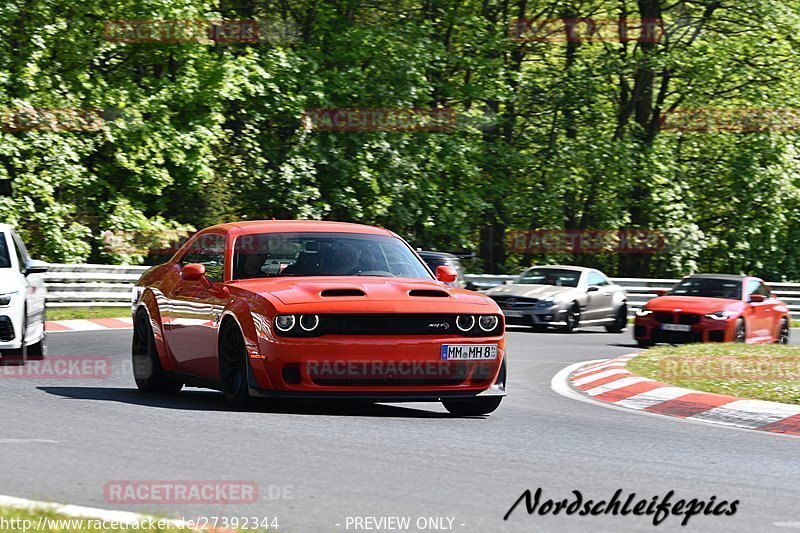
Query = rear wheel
x=740 y=332
x=620 y=320
x=233 y=369
x=783 y=332
x=472 y=406
x=573 y=319
x=147 y=370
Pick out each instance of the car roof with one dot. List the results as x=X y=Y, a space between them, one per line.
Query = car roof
x=250 y=227
x=566 y=267
x=729 y=277
x=438 y=254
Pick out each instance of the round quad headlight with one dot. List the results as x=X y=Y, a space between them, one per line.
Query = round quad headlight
x=488 y=322
x=309 y=322
x=465 y=322
x=284 y=322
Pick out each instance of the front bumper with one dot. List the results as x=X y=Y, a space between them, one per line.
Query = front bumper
x=549 y=316
x=372 y=367
x=649 y=330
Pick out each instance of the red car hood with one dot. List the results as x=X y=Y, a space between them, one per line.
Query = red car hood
x=693 y=304
x=305 y=290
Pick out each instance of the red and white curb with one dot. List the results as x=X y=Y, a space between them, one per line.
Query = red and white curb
x=89 y=324
x=609 y=382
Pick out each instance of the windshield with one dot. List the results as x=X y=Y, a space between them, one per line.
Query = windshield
x=324 y=254
x=709 y=288
x=550 y=276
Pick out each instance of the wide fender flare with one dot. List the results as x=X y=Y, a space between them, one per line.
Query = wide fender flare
x=148 y=303
x=240 y=312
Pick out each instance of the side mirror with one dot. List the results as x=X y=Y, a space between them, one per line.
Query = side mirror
x=757 y=298
x=35 y=266
x=195 y=272
x=593 y=288
x=660 y=292
x=446 y=273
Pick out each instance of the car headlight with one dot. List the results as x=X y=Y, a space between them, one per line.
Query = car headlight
x=547 y=302
x=284 y=322
x=643 y=311
x=465 y=322
x=5 y=298
x=720 y=315
x=488 y=322
x=309 y=322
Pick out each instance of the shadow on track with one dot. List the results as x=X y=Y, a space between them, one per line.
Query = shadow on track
x=198 y=400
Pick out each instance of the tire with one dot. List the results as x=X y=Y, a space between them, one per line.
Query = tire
x=620 y=320
x=783 y=332
x=36 y=352
x=740 y=331
x=147 y=370
x=233 y=367
x=472 y=406
x=573 y=319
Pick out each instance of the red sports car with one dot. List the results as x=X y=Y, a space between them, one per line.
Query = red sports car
x=714 y=308
x=315 y=309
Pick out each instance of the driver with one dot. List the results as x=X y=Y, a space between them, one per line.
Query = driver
x=341 y=260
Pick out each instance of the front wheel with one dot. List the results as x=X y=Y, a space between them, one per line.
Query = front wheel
x=620 y=320
x=147 y=370
x=472 y=406
x=573 y=319
x=233 y=369
x=740 y=333
x=783 y=332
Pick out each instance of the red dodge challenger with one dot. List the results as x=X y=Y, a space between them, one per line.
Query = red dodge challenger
x=714 y=308
x=315 y=309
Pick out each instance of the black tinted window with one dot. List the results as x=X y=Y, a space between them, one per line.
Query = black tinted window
x=709 y=288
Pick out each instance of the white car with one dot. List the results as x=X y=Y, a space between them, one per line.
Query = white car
x=22 y=300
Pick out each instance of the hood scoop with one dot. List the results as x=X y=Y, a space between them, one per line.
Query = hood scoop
x=428 y=293
x=342 y=292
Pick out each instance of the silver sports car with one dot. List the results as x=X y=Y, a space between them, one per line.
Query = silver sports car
x=564 y=297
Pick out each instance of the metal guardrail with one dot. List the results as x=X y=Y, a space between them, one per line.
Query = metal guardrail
x=109 y=285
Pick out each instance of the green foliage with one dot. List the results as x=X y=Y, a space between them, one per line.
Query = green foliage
x=547 y=134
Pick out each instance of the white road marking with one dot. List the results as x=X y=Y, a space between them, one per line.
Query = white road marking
x=25 y=441
x=653 y=397
x=600 y=375
x=749 y=413
x=617 y=384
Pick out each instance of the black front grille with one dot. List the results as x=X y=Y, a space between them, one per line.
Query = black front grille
x=391 y=324
x=676 y=337
x=677 y=318
x=6 y=329
x=365 y=374
x=513 y=302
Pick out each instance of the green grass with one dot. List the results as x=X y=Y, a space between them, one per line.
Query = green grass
x=13 y=520
x=69 y=313
x=756 y=371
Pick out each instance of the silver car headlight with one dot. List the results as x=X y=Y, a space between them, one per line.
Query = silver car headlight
x=547 y=302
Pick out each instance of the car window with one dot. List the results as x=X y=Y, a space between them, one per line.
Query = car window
x=757 y=287
x=5 y=256
x=22 y=252
x=595 y=278
x=208 y=250
x=709 y=288
x=550 y=276
x=324 y=254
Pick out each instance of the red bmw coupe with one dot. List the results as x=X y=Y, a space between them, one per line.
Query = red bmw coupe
x=315 y=309
x=714 y=308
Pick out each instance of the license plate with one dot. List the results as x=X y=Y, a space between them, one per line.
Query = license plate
x=469 y=352
x=676 y=327
x=513 y=314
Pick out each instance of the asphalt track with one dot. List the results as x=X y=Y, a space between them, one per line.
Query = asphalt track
x=319 y=463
